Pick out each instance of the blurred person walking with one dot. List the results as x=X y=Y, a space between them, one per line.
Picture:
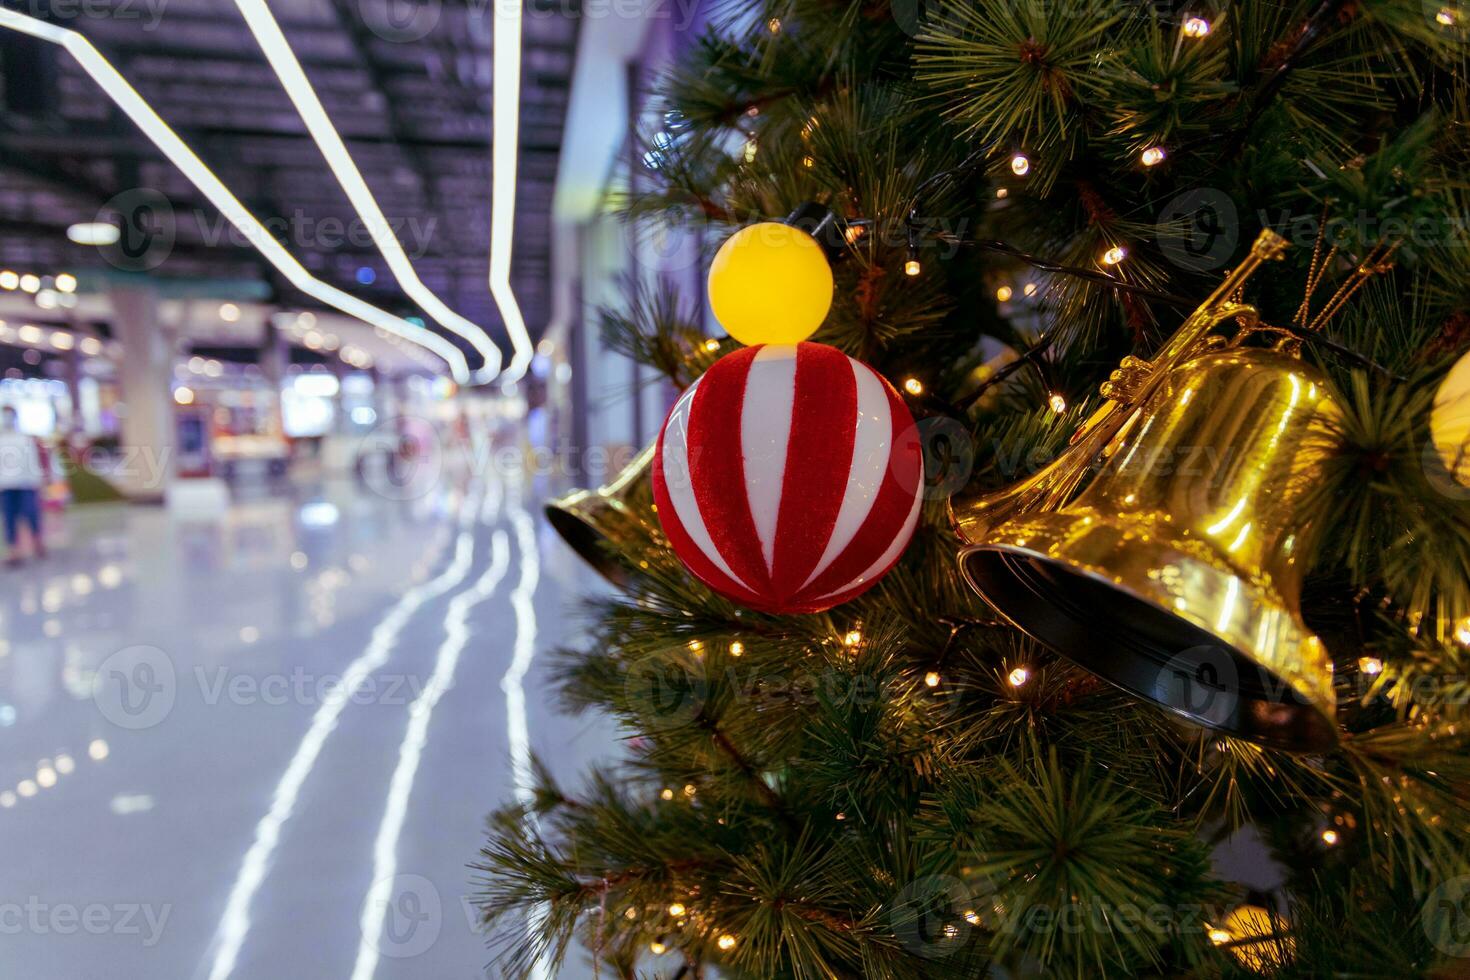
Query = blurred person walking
x=22 y=474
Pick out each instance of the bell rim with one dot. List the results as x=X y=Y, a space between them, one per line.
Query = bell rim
x=584 y=537
x=1313 y=713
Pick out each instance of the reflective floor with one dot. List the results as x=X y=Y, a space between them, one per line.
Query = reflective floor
x=185 y=789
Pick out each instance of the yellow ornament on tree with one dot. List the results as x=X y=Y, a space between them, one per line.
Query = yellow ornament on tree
x=770 y=283
x=1256 y=939
x=1449 y=423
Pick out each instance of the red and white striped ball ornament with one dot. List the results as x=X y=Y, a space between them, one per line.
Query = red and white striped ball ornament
x=789 y=479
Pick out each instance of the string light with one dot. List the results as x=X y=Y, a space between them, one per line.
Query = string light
x=1329 y=837
x=750 y=149
x=1003 y=294
x=30 y=283
x=690 y=789
x=853 y=638
x=1114 y=255
x=26 y=788
x=809 y=162
x=1001 y=193
x=1220 y=936
x=912 y=267
x=666 y=794
x=184 y=396
x=913 y=386
x=712 y=345
x=677 y=910
x=1153 y=156
x=726 y=942
x=972 y=917
x=737 y=649
x=932 y=678
x=1196 y=27
x=1018 y=676
x=1020 y=164
x=657 y=948
x=98 y=750
x=774 y=25
x=1058 y=403
x=1370 y=665
x=853 y=233
x=1029 y=289
x=1462 y=632
x=66 y=282
x=1445 y=17
x=9 y=280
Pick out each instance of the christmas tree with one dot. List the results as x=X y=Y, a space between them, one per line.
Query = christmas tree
x=922 y=782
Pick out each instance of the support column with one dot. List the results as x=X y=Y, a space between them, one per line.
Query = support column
x=146 y=379
x=275 y=356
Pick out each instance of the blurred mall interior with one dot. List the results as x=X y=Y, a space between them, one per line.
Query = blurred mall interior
x=298 y=315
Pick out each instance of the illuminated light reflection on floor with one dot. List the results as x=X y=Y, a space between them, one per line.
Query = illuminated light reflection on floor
x=235 y=923
x=385 y=850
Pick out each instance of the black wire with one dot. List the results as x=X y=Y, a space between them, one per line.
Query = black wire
x=1076 y=272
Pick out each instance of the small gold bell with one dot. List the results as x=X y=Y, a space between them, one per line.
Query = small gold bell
x=598 y=523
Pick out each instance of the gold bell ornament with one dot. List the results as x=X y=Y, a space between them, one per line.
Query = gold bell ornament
x=1449 y=424
x=600 y=524
x=1176 y=571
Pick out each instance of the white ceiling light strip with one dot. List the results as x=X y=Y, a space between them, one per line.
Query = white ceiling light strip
x=272 y=41
x=178 y=152
x=506 y=109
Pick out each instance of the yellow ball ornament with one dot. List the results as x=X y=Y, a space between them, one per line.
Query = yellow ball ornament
x=770 y=283
x=1255 y=939
x=1449 y=423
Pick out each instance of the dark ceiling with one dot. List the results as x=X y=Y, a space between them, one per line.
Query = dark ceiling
x=406 y=82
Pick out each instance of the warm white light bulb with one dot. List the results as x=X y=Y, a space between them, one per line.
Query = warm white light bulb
x=1196 y=27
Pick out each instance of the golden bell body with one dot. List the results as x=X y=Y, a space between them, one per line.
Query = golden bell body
x=600 y=524
x=1176 y=572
